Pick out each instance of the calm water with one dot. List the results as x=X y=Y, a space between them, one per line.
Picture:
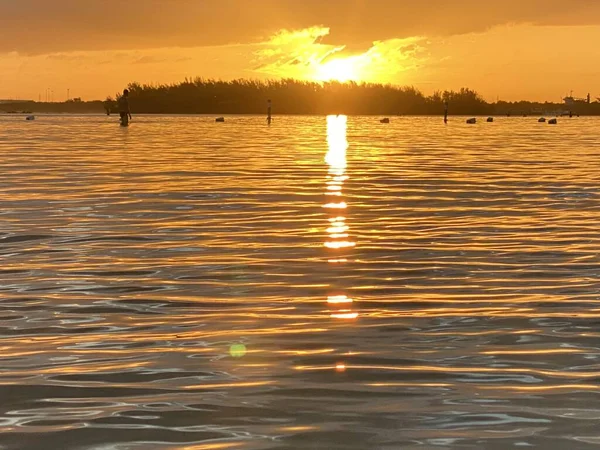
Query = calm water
x=319 y=284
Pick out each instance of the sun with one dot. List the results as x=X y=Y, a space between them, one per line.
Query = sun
x=339 y=69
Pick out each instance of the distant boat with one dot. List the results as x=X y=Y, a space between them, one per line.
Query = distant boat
x=542 y=120
x=472 y=121
x=220 y=119
x=30 y=118
x=490 y=119
x=385 y=120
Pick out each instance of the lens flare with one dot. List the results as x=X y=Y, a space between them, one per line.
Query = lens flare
x=238 y=350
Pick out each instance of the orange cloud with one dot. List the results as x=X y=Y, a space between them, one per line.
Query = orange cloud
x=46 y=26
x=511 y=62
x=302 y=54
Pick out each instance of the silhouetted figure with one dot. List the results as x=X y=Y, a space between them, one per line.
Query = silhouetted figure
x=269 y=107
x=445 y=112
x=124 y=111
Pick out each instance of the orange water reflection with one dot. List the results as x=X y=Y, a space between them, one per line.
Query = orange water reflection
x=338 y=232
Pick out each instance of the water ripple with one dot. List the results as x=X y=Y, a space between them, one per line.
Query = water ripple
x=319 y=283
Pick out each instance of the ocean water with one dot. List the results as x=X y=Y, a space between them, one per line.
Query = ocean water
x=322 y=283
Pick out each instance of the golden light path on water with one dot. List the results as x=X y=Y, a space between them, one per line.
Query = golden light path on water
x=325 y=282
x=338 y=230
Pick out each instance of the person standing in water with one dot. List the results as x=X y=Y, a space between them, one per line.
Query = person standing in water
x=124 y=111
x=446 y=111
x=269 y=105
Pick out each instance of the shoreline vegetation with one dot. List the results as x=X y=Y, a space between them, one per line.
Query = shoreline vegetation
x=206 y=96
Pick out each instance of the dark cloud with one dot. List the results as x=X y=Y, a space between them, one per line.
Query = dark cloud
x=42 y=26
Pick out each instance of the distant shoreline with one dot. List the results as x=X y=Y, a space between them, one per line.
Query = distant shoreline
x=211 y=115
x=294 y=97
x=142 y=114
x=201 y=96
x=494 y=109
x=17 y=108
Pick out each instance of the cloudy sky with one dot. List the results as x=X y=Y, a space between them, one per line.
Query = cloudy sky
x=511 y=49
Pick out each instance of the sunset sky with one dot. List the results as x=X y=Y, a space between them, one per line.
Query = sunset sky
x=509 y=49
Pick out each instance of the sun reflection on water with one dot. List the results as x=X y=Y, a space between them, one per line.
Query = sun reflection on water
x=338 y=231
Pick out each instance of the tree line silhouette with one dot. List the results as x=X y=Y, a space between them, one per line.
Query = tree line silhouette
x=290 y=96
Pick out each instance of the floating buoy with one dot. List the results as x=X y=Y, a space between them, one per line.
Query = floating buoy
x=220 y=119
x=542 y=120
x=552 y=122
x=30 y=118
x=385 y=120
x=472 y=121
x=490 y=119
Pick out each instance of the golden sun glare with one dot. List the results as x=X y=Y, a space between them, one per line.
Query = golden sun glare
x=341 y=69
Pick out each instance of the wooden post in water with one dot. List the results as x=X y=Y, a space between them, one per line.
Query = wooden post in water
x=269 y=106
